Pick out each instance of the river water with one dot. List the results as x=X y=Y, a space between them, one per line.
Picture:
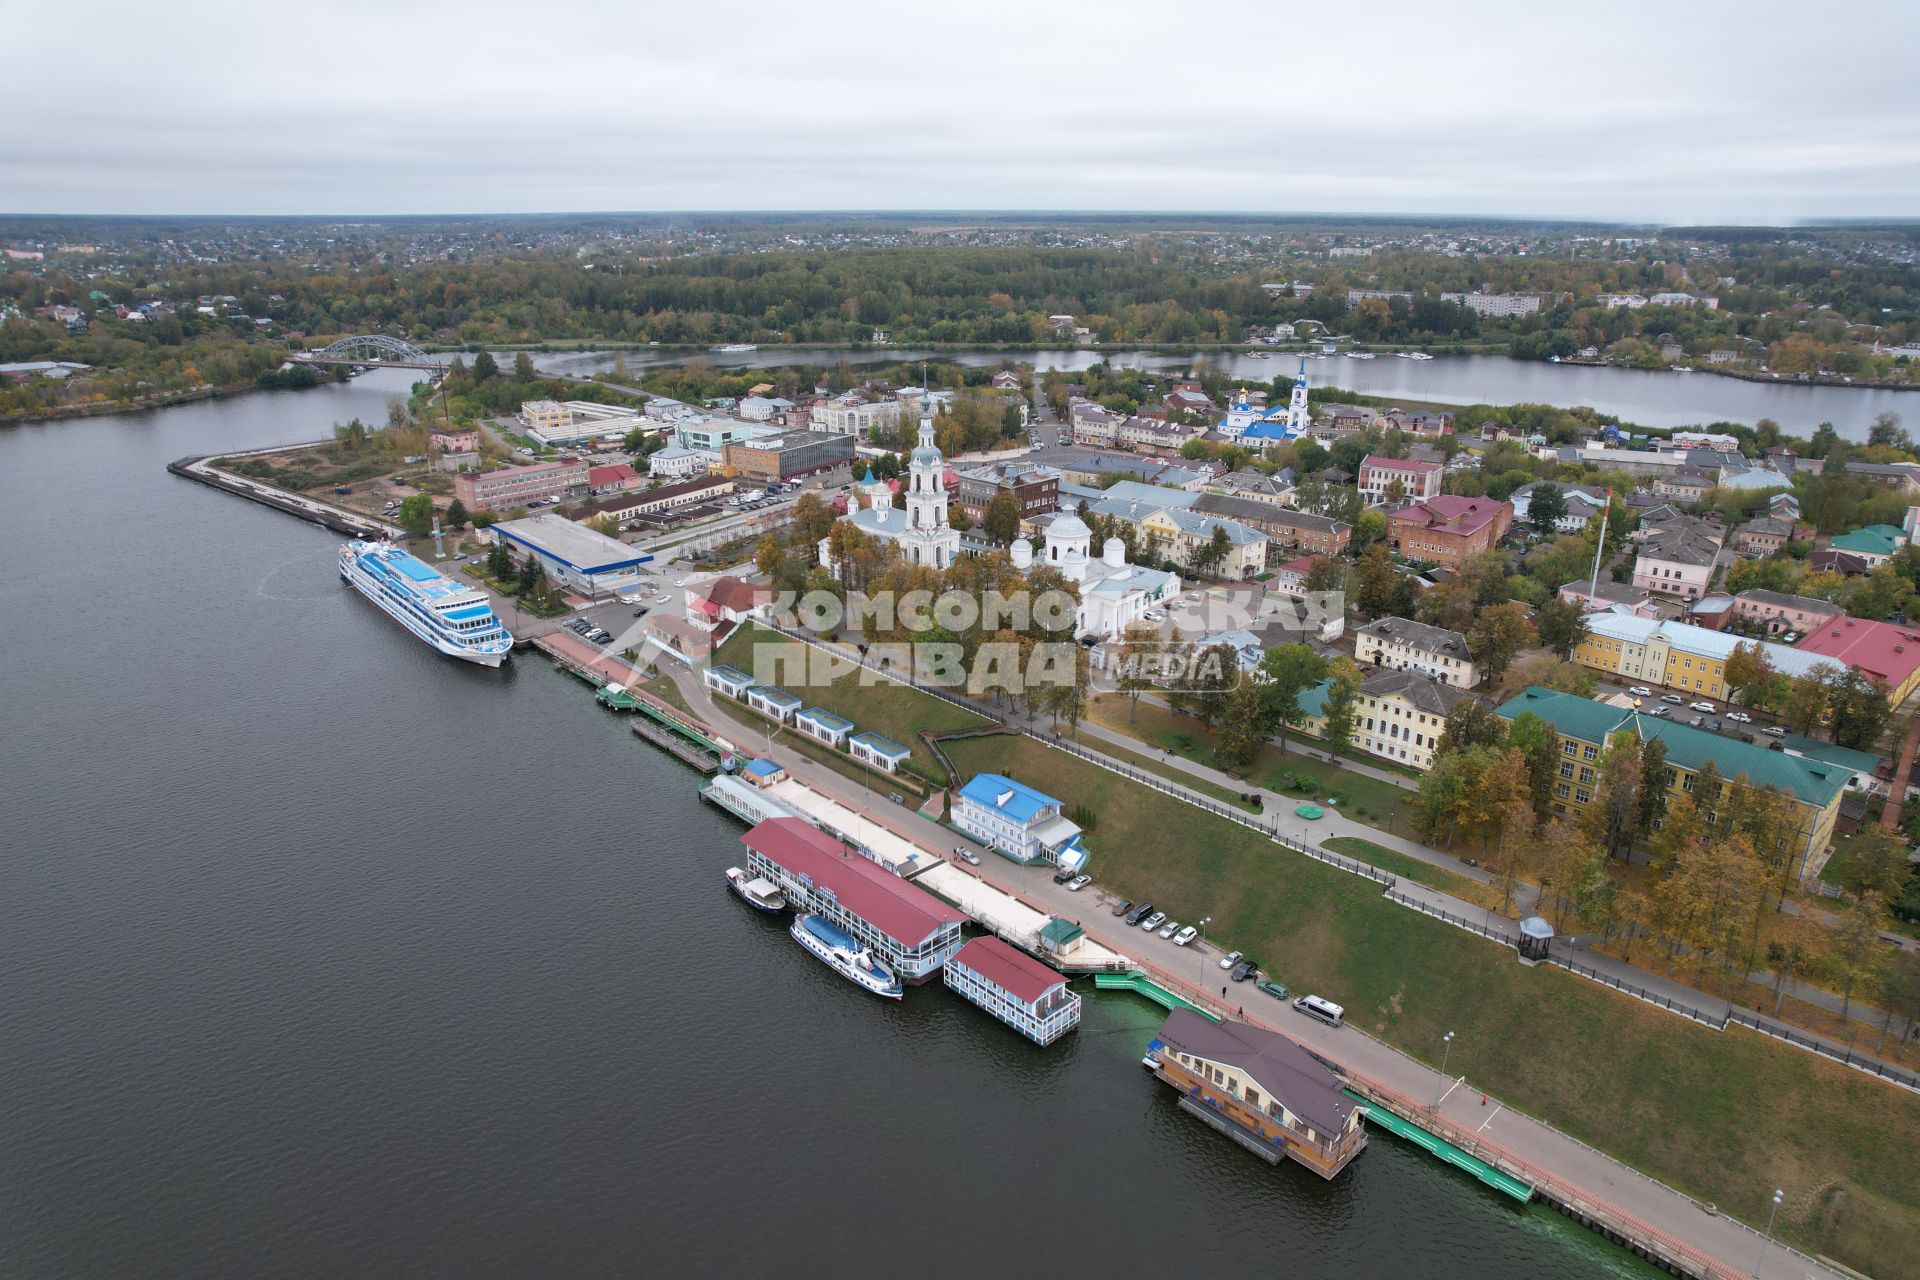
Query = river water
x=323 y=956
x=1644 y=397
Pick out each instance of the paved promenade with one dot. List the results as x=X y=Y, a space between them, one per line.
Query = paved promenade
x=1705 y=1242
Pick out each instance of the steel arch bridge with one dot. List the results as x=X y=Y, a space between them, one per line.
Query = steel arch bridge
x=373 y=348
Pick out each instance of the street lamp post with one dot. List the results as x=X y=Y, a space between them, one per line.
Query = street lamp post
x=1439 y=1091
x=1202 y=926
x=1767 y=1242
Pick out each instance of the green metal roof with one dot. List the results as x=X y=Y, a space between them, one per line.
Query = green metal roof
x=1845 y=757
x=1313 y=702
x=1875 y=539
x=1060 y=931
x=1813 y=781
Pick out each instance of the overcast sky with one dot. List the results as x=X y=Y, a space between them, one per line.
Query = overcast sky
x=1674 y=112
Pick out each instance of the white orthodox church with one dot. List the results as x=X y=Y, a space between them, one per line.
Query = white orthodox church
x=1113 y=593
x=922 y=530
x=1256 y=423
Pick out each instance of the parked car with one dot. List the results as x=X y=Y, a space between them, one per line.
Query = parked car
x=1673 y=698
x=1185 y=936
x=1170 y=928
x=1700 y=706
x=641 y=612
x=1230 y=959
x=1656 y=711
x=1695 y=721
x=1640 y=691
x=1713 y=726
x=1154 y=921
x=1790 y=637
x=1244 y=970
x=1136 y=914
x=1079 y=882
x=1273 y=989
x=1739 y=717
x=1777 y=731
x=1062 y=876
x=1121 y=907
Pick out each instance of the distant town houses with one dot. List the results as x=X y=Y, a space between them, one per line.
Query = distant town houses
x=1583 y=502
x=1676 y=555
x=1495 y=304
x=1762 y=536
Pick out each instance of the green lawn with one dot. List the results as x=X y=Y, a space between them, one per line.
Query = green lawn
x=1410 y=868
x=1362 y=798
x=1725 y=1116
x=888 y=708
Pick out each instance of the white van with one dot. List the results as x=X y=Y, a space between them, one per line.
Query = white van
x=1325 y=1010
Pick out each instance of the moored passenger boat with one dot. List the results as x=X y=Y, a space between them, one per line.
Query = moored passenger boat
x=457 y=620
x=846 y=955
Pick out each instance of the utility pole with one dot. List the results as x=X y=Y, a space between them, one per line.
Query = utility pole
x=1440 y=1090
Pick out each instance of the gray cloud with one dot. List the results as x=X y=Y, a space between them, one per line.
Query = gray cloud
x=1759 y=111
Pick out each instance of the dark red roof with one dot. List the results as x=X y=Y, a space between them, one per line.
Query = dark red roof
x=908 y=915
x=616 y=473
x=1449 y=514
x=1878 y=649
x=1012 y=970
x=735 y=596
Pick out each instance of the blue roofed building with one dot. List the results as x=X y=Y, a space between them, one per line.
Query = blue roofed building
x=1018 y=822
x=774 y=702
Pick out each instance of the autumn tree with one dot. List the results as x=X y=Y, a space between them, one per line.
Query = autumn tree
x=1857 y=953
x=1501 y=632
x=1286 y=672
x=1746 y=668
x=1655 y=782
x=1470 y=723
x=1138 y=643
x=1000 y=521
x=1614 y=816
x=1562 y=626
x=1343 y=695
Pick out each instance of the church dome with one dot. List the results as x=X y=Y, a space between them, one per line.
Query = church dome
x=1068 y=528
x=926 y=456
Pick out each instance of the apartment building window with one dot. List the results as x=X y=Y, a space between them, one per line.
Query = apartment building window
x=1589 y=752
x=1570 y=747
x=1586 y=775
x=1581 y=797
x=1566 y=770
x=1561 y=791
x=1686 y=783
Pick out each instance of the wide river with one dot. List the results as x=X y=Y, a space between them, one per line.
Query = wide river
x=323 y=956
x=1647 y=398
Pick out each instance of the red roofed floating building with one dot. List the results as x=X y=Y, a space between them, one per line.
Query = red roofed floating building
x=1878 y=650
x=1446 y=530
x=1015 y=988
x=909 y=928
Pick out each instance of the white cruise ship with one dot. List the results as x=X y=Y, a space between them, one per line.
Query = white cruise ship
x=458 y=621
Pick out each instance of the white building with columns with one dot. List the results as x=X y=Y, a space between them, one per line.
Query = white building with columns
x=1113 y=593
x=922 y=531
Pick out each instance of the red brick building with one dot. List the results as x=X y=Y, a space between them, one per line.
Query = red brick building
x=1446 y=530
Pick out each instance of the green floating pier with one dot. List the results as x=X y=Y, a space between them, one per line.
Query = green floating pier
x=1150 y=989
x=1445 y=1150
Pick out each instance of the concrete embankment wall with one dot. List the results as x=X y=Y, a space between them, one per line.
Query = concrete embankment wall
x=338 y=519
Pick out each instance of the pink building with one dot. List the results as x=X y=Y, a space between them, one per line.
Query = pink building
x=1777 y=611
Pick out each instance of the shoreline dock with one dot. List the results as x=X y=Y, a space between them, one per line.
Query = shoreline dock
x=201 y=470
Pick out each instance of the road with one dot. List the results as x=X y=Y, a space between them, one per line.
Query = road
x=1490 y=1127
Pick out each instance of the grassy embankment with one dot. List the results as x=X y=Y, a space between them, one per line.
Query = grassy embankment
x=872 y=702
x=1725 y=1116
x=1364 y=799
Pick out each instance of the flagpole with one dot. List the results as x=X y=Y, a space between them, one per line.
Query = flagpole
x=1601 y=549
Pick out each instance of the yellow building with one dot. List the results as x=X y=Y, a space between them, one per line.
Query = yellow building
x=1677 y=655
x=1813 y=788
x=1397 y=715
